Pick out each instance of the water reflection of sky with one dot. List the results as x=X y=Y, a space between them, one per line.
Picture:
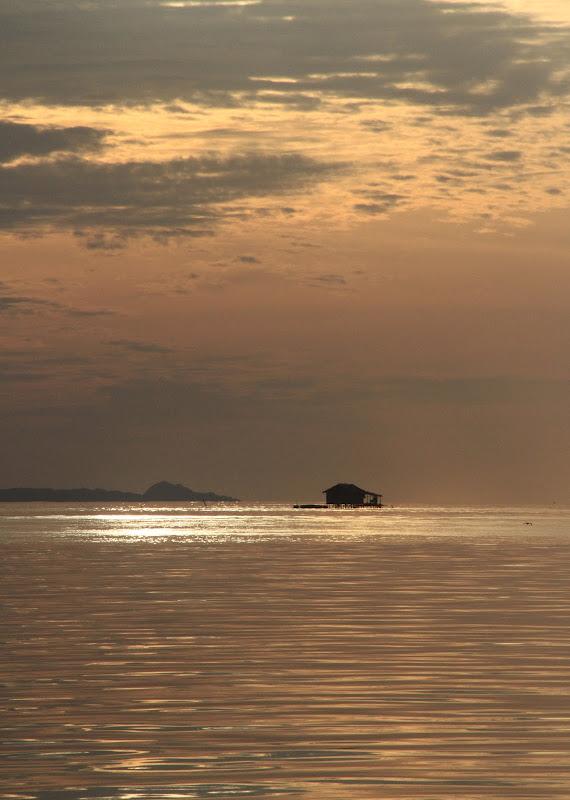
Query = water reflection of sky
x=215 y=654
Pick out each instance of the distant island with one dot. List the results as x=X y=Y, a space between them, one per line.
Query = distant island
x=158 y=492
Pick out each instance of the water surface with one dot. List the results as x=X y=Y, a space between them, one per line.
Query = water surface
x=177 y=652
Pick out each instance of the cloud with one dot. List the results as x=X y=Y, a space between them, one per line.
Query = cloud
x=331 y=279
x=470 y=57
x=101 y=241
x=505 y=155
x=106 y=203
x=378 y=202
x=23 y=365
x=499 y=133
x=89 y=312
x=377 y=125
x=22 y=304
x=18 y=139
x=135 y=346
x=7 y=376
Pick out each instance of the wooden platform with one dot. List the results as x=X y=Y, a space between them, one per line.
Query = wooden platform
x=338 y=506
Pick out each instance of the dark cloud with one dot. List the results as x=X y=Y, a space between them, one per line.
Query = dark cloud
x=379 y=202
x=370 y=208
x=499 y=133
x=7 y=376
x=297 y=100
x=545 y=111
x=29 y=365
x=332 y=279
x=89 y=312
x=505 y=155
x=102 y=241
x=106 y=203
x=18 y=139
x=22 y=304
x=377 y=125
x=468 y=57
x=135 y=346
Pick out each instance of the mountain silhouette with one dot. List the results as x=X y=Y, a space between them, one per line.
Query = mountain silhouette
x=176 y=491
x=162 y=491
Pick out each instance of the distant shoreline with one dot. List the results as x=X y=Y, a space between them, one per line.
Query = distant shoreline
x=158 y=492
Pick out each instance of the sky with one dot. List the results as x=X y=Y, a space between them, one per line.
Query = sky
x=263 y=246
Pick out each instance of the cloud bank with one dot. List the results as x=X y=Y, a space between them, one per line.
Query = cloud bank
x=182 y=197
x=465 y=57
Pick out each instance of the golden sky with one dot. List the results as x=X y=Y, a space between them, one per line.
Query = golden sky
x=263 y=246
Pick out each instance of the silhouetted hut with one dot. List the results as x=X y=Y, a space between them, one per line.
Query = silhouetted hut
x=347 y=494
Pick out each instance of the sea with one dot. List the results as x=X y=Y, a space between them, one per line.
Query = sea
x=179 y=651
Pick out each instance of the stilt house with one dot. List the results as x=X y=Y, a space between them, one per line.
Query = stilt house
x=347 y=494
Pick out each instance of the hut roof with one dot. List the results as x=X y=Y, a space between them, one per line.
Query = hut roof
x=350 y=486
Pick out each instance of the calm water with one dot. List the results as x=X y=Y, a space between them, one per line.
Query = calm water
x=169 y=653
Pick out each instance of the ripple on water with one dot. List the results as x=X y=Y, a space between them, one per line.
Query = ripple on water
x=161 y=793
x=407 y=657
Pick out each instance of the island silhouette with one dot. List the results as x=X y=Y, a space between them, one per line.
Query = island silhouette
x=158 y=492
